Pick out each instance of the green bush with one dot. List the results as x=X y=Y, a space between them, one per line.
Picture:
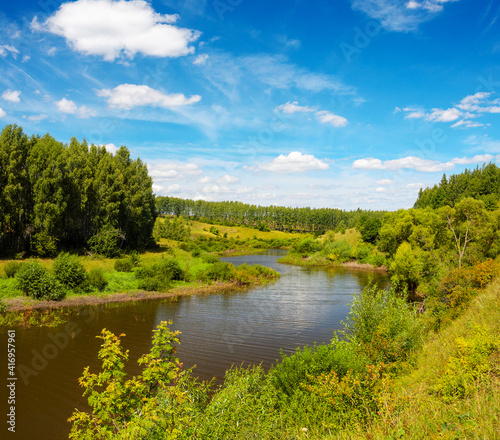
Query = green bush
x=209 y=258
x=96 y=279
x=37 y=282
x=11 y=268
x=307 y=246
x=124 y=265
x=339 y=250
x=69 y=270
x=196 y=252
x=106 y=242
x=218 y=271
x=158 y=277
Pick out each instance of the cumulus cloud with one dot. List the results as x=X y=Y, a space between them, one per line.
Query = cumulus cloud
x=2 y=112
x=127 y=96
x=206 y=179
x=293 y=107
x=111 y=29
x=294 y=162
x=37 y=118
x=416 y=163
x=326 y=117
x=228 y=179
x=173 y=170
x=385 y=181
x=215 y=189
x=11 y=95
x=470 y=107
x=415 y=185
x=69 y=107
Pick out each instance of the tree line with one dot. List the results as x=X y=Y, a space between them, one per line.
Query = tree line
x=481 y=183
x=274 y=217
x=55 y=196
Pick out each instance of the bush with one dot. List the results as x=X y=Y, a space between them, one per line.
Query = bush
x=196 y=252
x=218 y=271
x=96 y=279
x=11 y=268
x=339 y=250
x=106 y=242
x=382 y=325
x=37 y=282
x=307 y=246
x=209 y=258
x=69 y=270
x=157 y=277
x=124 y=265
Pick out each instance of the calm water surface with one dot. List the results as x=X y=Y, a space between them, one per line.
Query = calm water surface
x=218 y=330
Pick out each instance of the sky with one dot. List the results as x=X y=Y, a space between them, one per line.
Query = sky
x=341 y=103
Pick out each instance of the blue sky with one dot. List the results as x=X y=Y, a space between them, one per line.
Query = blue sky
x=346 y=103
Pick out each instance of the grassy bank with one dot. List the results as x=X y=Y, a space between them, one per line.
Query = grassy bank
x=169 y=271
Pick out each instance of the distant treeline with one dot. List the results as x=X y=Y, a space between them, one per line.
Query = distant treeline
x=481 y=184
x=55 y=196
x=273 y=217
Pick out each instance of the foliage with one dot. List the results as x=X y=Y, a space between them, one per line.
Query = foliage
x=383 y=326
x=37 y=282
x=123 y=407
x=369 y=227
x=69 y=270
x=157 y=277
x=124 y=265
x=406 y=268
x=172 y=229
x=339 y=250
x=11 y=268
x=107 y=242
x=96 y=279
x=307 y=246
x=471 y=362
x=217 y=271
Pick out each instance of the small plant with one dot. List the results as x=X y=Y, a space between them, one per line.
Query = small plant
x=69 y=270
x=37 y=282
x=11 y=268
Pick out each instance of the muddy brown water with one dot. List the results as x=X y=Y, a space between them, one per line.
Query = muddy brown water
x=219 y=330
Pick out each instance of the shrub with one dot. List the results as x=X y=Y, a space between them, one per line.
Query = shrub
x=157 y=277
x=209 y=258
x=11 y=268
x=69 y=270
x=96 y=279
x=106 y=242
x=218 y=271
x=196 y=252
x=339 y=250
x=37 y=282
x=124 y=265
x=307 y=246
x=382 y=325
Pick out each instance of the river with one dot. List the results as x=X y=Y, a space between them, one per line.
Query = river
x=218 y=330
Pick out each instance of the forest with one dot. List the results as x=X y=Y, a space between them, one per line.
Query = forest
x=279 y=218
x=55 y=196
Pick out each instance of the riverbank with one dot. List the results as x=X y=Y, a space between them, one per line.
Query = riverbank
x=317 y=260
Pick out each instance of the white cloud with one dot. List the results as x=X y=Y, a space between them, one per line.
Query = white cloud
x=471 y=106
x=11 y=95
x=293 y=107
x=111 y=148
x=69 y=107
x=201 y=59
x=415 y=185
x=173 y=189
x=452 y=114
x=114 y=28
x=294 y=162
x=385 y=181
x=483 y=143
x=413 y=162
x=326 y=117
x=206 y=179
x=173 y=170
x=52 y=51
x=398 y=15
x=416 y=163
x=228 y=179
x=5 y=49
x=381 y=189
x=475 y=159
x=2 y=112
x=37 y=118
x=25 y=59
x=215 y=189
x=127 y=96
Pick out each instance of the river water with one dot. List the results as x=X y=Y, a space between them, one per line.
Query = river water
x=218 y=330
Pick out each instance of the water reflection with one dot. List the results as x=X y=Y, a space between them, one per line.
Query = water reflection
x=219 y=330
